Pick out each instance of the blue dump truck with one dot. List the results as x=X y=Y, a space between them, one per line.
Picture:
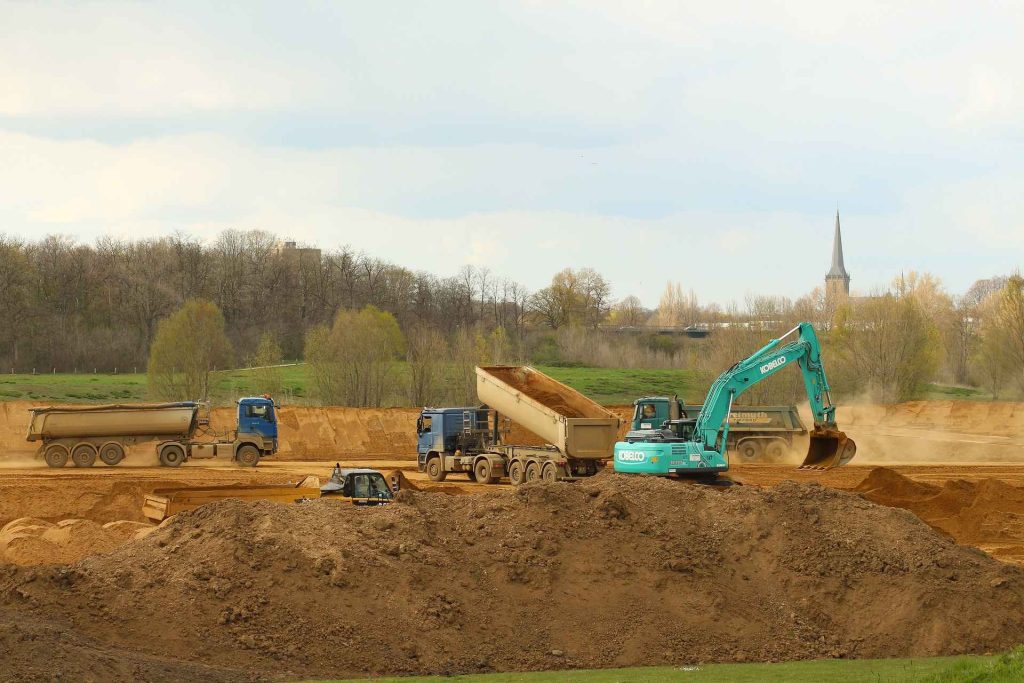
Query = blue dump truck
x=756 y=433
x=580 y=434
x=181 y=431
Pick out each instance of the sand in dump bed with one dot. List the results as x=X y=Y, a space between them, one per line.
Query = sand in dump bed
x=28 y=541
x=615 y=571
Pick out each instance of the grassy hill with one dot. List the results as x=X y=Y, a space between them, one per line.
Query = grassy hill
x=610 y=386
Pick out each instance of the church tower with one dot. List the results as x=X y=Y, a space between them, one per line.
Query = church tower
x=837 y=282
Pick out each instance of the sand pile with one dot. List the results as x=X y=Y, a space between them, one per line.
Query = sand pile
x=612 y=571
x=987 y=513
x=30 y=541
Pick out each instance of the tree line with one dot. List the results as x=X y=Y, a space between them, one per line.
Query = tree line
x=353 y=317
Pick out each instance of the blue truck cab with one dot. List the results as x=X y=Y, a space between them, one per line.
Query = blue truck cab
x=453 y=439
x=257 y=415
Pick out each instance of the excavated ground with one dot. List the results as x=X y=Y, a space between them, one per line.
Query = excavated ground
x=542 y=577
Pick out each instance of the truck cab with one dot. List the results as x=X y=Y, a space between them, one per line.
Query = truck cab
x=257 y=415
x=453 y=439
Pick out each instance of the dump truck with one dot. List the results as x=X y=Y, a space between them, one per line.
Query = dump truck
x=580 y=434
x=181 y=432
x=756 y=433
x=697 y=447
x=360 y=486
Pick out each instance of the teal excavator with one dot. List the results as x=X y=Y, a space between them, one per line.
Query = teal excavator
x=697 y=446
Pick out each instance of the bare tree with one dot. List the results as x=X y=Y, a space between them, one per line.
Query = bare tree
x=428 y=359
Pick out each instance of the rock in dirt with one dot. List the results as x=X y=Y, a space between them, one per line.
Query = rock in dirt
x=596 y=571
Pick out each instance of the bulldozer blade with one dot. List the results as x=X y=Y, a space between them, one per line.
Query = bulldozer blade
x=828 y=448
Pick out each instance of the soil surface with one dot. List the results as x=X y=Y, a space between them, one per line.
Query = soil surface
x=541 y=577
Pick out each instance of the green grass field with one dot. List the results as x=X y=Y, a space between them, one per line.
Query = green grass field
x=927 y=670
x=607 y=386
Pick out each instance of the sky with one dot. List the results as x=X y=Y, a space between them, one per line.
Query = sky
x=704 y=143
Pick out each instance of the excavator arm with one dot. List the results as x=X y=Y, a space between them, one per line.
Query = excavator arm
x=829 y=447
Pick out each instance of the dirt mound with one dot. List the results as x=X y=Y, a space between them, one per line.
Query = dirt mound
x=29 y=541
x=987 y=513
x=541 y=577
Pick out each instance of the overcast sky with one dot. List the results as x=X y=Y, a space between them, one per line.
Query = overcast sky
x=703 y=142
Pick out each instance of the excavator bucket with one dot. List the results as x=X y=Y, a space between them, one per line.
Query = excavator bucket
x=828 y=448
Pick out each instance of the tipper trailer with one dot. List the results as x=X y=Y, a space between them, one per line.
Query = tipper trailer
x=580 y=434
x=181 y=431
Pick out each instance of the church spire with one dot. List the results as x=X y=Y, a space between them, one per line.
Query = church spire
x=838 y=269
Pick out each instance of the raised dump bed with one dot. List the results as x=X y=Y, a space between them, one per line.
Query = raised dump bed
x=577 y=426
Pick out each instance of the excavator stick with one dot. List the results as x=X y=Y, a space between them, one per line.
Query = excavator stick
x=828 y=448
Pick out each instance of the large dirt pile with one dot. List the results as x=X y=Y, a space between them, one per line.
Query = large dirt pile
x=988 y=513
x=613 y=571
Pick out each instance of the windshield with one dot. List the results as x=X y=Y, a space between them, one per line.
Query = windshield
x=370 y=486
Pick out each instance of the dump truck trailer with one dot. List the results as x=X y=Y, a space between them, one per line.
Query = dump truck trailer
x=756 y=433
x=580 y=434
x=180 y=431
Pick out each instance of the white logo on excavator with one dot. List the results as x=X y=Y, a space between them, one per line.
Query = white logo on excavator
x=768 y=367
x=632 y=456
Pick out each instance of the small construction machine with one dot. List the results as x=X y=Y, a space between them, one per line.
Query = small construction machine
x=360 y=486
x=698 y=446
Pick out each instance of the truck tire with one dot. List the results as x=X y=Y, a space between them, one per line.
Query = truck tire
x=111 y=453
x=172 y=456
x=775 y=450
x=749 y=450
x=549 y=473
x=248 y=456
x=533 y=472
x=435 y=472
x=483 y=470
x=56 y=455
x=517 y=472
x=83 y=455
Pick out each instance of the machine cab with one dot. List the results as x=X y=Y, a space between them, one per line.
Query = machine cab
x=257 y=415
x=651 y=412
x=445 y=430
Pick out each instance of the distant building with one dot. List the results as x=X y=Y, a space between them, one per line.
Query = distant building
x=301 y=254
x=837 y=281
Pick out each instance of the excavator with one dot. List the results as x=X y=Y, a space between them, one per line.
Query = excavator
x=697 y=446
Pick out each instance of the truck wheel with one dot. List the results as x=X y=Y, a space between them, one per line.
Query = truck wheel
x=749 y=450
x=248 y=456
x=483 y=472
x=434 y=470
x=533 y=472
x=83 y=455
x=111 y=453
x=775 y=450
x=516 y=472
x=56 y=455
x=549 y=473
x=172 y=456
